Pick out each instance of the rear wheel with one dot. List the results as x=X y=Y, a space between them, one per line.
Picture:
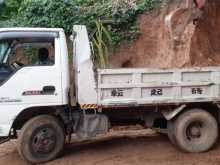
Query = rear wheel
x=41 y=139
x=195 y=131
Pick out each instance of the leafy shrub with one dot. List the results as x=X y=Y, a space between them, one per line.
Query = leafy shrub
x=119 y=16
x=8 y=8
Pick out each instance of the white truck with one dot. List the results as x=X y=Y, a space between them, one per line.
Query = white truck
x=40 y=106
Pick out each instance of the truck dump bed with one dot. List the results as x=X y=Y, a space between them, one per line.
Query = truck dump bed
x=124 y=87
x=158 y=86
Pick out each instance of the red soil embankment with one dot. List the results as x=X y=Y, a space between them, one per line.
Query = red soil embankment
x=200 y=44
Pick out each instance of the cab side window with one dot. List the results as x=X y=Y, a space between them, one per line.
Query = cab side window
x=33 y=54
x=15 y=55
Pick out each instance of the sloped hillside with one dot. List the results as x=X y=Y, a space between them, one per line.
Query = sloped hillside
x=200 y=43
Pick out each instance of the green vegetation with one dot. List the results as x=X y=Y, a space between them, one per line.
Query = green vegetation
x=8 y=8
x=118 y=17
x=100 y=41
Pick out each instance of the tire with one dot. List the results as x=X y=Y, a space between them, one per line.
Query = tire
x=170 y=132
x=195 y=131
x=41 y=139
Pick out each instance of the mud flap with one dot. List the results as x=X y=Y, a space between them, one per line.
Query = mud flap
x=91 y=125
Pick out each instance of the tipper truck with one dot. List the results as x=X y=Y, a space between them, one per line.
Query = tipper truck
x=43 y=102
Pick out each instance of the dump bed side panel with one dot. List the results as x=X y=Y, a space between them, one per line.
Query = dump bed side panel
x=152 y=86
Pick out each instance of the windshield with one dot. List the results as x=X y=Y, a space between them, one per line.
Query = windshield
x=3 y=50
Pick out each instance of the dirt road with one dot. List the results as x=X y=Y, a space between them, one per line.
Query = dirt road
x=130 y=148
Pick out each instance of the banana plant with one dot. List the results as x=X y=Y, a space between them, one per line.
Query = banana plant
x=101 y=43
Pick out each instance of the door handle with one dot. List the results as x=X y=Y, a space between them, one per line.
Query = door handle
x=49 y=89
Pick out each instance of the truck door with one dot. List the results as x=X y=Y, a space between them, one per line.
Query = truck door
x=30 y=69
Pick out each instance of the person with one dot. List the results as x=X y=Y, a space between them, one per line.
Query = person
x=43 y=56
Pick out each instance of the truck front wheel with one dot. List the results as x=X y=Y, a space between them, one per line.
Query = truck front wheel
x=195 y=131
x=41 y=139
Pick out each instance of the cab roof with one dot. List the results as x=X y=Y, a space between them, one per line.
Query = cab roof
x=27 y=29
x=29 y=33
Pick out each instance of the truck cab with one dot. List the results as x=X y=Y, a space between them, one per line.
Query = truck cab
x=25 y=81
